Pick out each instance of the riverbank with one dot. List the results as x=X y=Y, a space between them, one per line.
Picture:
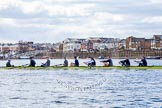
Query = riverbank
x=115 y=54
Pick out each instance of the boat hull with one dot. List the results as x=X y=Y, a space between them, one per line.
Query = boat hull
x=82 y=67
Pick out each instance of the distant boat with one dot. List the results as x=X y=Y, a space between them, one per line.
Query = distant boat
x=24 y=57
x=101 y=57
x=153 y=57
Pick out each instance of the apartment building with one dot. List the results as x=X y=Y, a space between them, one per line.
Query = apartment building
x=133 y=43
x=156 y=42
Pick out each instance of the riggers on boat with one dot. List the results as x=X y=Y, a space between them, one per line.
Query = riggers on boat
x=81 y=67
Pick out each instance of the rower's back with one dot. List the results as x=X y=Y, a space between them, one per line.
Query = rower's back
x=144 y=62
x=8 y=64
x=32 y=62
x=76 y=63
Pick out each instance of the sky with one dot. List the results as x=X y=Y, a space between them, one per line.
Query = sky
x=55 y=20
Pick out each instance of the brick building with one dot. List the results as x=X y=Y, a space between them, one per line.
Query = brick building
x=156 y=42
x=133 y=43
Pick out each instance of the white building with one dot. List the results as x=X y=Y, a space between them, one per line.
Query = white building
x=112 y=45
x=103 y=46
x=109 y=43
x=71 y=47
x=122 y=44
x=71 y=44
x=96 y=46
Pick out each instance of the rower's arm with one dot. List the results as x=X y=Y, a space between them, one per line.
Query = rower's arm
x=137 y=61
x=104 y=61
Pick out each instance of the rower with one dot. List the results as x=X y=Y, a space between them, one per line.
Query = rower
x=91 y=62
x=65 y=62
x=47 y=64
x=108 y=61
x=125 y=62
x=32 y=62
x=143 y=61
x=76 y=62
x=8 y=64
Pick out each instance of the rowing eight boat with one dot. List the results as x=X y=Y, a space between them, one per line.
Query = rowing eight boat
x=80 y=67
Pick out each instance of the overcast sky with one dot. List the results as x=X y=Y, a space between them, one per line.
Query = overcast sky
x=55 y=20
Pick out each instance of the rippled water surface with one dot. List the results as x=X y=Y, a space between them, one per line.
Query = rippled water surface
x=81 y=88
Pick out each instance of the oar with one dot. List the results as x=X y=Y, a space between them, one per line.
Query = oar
x=58 y=65
x=25 y=64
x=123 y=66
x=85 y=63
x=90 y=66
x=137 y=61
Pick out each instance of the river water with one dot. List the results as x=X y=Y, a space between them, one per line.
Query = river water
x=93 y=88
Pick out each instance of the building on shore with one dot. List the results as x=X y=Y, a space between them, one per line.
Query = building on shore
x=72 y=45
x=156 y=42
x=133 y=43
x=122 y=44
x=88 y=45
x=25 y=46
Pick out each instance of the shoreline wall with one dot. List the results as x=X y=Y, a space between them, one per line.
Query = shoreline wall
x=113 y=54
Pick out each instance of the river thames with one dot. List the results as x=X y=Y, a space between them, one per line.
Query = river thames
x=91 y=88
